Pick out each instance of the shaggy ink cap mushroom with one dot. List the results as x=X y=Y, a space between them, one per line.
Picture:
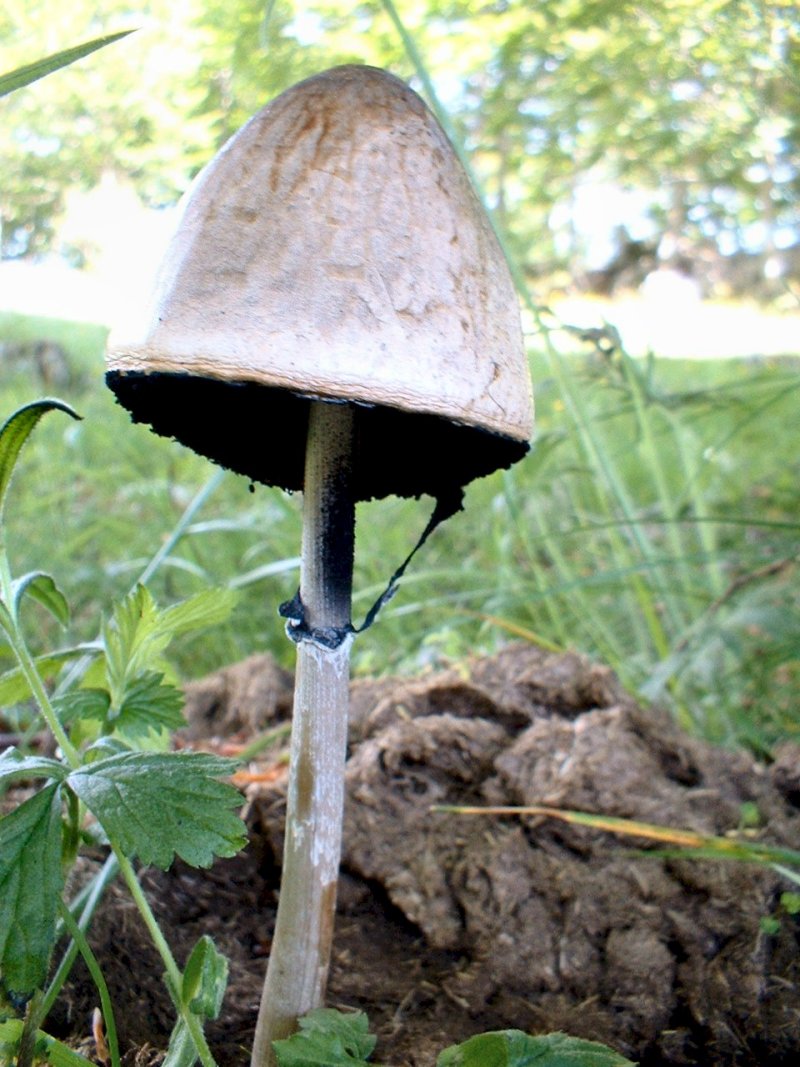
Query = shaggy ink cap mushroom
x=334 y=315
x=334 y=250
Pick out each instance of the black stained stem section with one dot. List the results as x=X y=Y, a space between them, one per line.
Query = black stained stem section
x=298 y=965
x=326 y=577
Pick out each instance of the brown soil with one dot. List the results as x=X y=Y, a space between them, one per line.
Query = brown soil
x=449 y=925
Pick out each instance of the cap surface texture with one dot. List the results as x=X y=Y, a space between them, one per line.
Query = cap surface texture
x=334 y=249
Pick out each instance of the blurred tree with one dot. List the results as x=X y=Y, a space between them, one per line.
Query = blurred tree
x=694 y=103
x=135 y=110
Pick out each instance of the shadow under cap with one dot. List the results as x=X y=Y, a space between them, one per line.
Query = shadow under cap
x=260 y=432
x=335 y=250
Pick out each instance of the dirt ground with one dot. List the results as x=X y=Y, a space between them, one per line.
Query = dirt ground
x=449 y=925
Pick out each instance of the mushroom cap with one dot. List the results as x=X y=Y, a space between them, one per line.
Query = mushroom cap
x=335 y=250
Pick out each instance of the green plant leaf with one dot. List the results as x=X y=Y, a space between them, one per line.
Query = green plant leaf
x=139 y=632
x=90 y=704
x=133 y=636
x=42 y=588
x=689 y=842
x=207 y=608
x=14 y=766
x=204 y=979
x=32 y=72
x=30 y=883
x=105 y=747
x=15 y=432
x=58 y=1054
x=328 y=1038
x=148 y=704
x=14 y=687
x=770 y=925
x=46 y=1050
x=181 y=1051
x=159 y=804
x=513 y=1048
x=10 y=1034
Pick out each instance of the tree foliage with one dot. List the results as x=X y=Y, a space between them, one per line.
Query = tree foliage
x=692 y=102
x=135 y=110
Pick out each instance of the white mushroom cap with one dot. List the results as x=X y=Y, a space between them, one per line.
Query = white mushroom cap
x=335 y=250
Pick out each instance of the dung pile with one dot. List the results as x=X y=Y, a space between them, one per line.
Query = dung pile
x=450 y=924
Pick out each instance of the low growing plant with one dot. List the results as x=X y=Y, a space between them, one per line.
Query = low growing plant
x=329 y=1038
x=111 y=782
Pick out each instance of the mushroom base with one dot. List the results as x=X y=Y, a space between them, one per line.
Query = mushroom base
x=260 y=432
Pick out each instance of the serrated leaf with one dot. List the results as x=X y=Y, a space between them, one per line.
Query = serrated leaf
x=132 y=636
x=14 y=767
x=15 y=432
x=207 y=608
x=32 y=72
x=30 y=884
x=140 y=631
x=328 y=1038
x=513 y=1048
x=205 y=978
x=159 y=804
x=42 y=588
x=148 y=704
x=82 y=704
x=13 y=685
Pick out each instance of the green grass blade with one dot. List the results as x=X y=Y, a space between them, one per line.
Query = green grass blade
x=32 y=72
x=194 y=505
x=87 y=901
x=93 y=968
x=688 y=842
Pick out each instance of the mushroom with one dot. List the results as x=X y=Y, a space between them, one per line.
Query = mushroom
x=333 y=315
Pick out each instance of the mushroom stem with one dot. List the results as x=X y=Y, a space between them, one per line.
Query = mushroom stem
x=300 y=954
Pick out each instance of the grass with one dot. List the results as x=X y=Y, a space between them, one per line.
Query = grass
x=663 y=534
x=83 y=342
x=653 y=526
